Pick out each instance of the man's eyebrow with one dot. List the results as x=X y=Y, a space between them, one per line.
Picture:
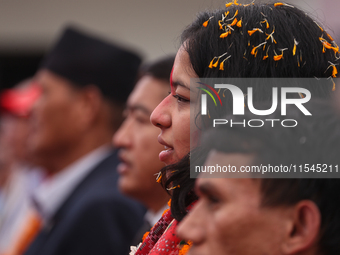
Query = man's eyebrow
x=181 y=84
x=138 y=107
x=205 y=188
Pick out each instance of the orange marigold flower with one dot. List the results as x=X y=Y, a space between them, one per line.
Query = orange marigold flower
x=211 y=63
x=165 y=211
x=234 y=22
x=330 y=37
x=239 y=23
x=318 y=26
x=222 y=66
x=278 y=57
x=294 y=48
x=220 y=25
x=205 y=23
x=251 y=32
x=228 y=4
x=224 y=35
x=215 y=65
x=335 y=71
x=253 y=51
x=184 y=250
x=145 y=235
x=280 y=4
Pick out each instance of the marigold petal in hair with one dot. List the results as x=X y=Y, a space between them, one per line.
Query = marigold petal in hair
x=267 y=23
x=319 y=26
x=271 y=36
x=211 y=65
x=335 y=70
x=222 y=63
x=233 y=23
x=205 y=23
x=159 y=177
x=279 y=57
x=294 y=48
x=283 y=4
x=172 y=188
x=251 y=32
x=266 y=56
x=224 y=35
x=229 y=4
x=255 y=49
x=239 y=23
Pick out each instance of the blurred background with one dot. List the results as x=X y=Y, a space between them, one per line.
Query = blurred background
x=150 y=27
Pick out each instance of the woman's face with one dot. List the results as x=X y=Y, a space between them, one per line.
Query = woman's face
x=172 y=115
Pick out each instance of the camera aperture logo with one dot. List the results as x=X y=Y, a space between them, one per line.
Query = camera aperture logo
x=204 y=97
x=239 y=104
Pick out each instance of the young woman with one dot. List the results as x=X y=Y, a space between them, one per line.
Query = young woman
x=238 y=41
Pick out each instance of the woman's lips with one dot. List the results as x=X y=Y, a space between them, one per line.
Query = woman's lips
x=166 y=155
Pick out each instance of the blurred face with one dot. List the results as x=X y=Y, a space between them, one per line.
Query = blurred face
x=56 y=123
x=228 y=217
x=172 y=115
x=137 y=140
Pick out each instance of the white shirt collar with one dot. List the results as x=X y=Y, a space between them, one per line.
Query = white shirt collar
x=51 y=194
x=153 y=217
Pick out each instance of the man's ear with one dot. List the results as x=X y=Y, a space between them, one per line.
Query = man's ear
x=91 y=103
x=304 y=228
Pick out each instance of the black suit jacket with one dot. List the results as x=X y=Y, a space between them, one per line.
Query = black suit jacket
x=95 y=219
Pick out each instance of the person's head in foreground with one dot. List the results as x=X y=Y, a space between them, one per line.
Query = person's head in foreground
x=85 y=82
x=269 y=216
x=242 y=41
x=137 y=137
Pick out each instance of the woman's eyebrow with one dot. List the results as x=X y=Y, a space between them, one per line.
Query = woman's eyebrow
x=181 y=84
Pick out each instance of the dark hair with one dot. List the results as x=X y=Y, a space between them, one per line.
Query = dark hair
x=289 y=24
x=310 y=52
x=315 y=140
x=160 y=69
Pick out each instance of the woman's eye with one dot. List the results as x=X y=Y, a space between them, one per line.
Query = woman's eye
x=180 y=99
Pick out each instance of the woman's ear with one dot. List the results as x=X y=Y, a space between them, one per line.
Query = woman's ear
x=304 y=229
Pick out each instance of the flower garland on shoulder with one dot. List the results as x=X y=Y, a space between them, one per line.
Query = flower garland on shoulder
x=161 y=239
